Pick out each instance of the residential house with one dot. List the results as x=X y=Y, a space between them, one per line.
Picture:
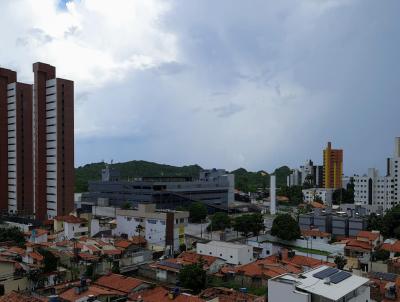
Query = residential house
x=319 y=284
x=161 y=294
x=315 y=235
x=167 y=270
x=232 y=253
x=70 y=227
x=37 y=236
x=121 y=283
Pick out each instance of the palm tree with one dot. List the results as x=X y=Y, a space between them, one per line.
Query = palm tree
x=139 y=229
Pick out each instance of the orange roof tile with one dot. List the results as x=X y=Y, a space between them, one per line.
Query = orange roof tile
x=315 y=232
x=228 y=295
x=160 y=294
x=16 y=250
x=18 y=297
x=395 y=247
x=70 y=219
x=36 y=256
x=123 y=244
x=95 y=290
x=39 y=232
x=368 y=235
x=112 y=252
x=354 y=244
x=119 y=282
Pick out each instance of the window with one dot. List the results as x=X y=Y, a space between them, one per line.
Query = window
x=152 y=221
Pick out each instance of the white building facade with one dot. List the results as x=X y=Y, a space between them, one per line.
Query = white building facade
x=164 y=228
x=237 y=254
x=325 y=195
x=297 y=177
x=381 y=191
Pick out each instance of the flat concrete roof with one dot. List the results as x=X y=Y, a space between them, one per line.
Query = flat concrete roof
x=311 y=284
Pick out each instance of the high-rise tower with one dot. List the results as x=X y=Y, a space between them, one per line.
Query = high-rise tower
x=53 y=141
x=333 y=167
x=16 y=176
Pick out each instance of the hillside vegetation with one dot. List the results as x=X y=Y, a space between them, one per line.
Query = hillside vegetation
x=245 y=180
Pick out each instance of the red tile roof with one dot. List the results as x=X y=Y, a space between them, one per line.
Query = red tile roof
x=39 y=232
x=316 y=233
x=372 y=236
x=70 y=219
x=112 y=252
x=119 y=282
x=139 y=240
x=16 y=250
x=36 y=256
x=395 y=247
x=228 y=295
x=353 y=244
x=160 y=294
x=18 y=297
x=123 y=244
x=97 y=291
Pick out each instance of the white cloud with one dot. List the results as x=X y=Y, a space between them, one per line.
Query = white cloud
x=219 y=83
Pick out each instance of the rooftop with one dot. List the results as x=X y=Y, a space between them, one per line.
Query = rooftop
x=307 y=282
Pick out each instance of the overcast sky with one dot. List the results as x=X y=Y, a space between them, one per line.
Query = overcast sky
x=227 y=84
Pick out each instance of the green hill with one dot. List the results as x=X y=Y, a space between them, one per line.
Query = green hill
x=246 y=181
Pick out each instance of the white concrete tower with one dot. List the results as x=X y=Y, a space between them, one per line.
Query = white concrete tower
x=272 y=194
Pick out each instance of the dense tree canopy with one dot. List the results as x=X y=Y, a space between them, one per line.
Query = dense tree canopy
x=219 y=222
x=294 y=193
x=344 y=195
x=285 y=227
x=50 y=261
x=249 y=223
x=193 y=277
x=12 y=234
x=197 y=212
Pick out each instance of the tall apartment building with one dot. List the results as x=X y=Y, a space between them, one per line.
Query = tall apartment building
x=297 y=177
x=380 y=191
x=15 y=145
x=53 y=142
x=36 y=144
x=333 y=167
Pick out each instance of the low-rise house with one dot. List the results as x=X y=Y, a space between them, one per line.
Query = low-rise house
x=161 y=294
x=89 y=292
x=167 y=270
x=15 y=296
x=374 y=238
x=392 y=246
x=316 y=235
x=70 y=227
x=221 y=294
x=319 y=284
x=257 y=273
x=161 y=228
x=37 y=236
x=122 y=283
x=358 y=253
x=384 y=286
x=12 y=276
x=237 y=254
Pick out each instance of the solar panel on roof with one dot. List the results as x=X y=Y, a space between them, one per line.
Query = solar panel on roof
x=339 y=277
x=384 y=276
x=326 y=273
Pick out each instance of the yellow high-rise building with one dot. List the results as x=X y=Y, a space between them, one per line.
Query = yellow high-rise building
x=333 y=167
